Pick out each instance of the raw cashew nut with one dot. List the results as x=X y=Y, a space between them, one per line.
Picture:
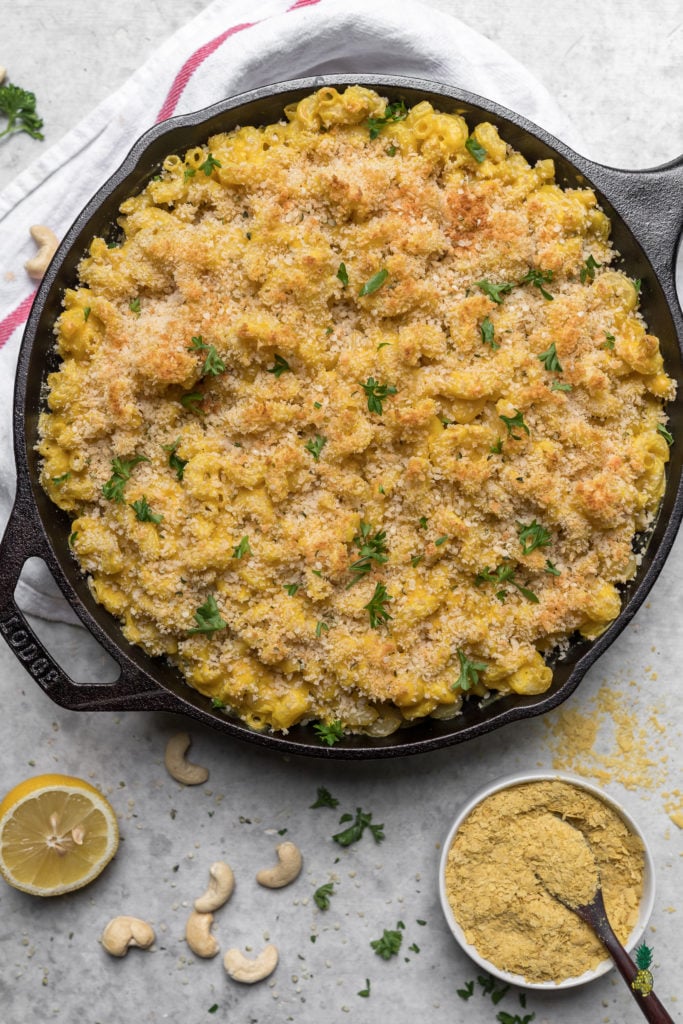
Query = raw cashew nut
x=287 y=869
x=123 y=932
x=48 y=242
x=219 y=891
x=241 y=968
x=198 y=934
x=176 y=765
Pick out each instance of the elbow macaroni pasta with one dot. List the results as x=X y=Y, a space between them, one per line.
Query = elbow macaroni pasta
x=361 y=326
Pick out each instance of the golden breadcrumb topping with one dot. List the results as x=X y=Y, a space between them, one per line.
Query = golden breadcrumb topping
x=355 y=417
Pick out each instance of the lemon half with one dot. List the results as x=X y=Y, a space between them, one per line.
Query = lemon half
x=57 y=833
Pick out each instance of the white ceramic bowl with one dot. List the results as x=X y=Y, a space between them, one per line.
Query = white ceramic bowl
x=646 y=903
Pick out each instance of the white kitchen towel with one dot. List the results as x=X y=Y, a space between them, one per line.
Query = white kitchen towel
x=231 y=47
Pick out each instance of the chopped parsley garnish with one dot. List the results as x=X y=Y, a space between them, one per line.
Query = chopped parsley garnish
x=467 y=992
x=291 y=588
x=469 y=672
x=209 y=165
x=213 y=364
x=329 y=732
x=189 y=172
x=422 y=522
x=515 y=421
x=86 y=313
x=487 y=331
x=507 y=1018
x=321 y=896
x=551 y=569
x=19 y=107
x=317 y=405
x=538 y=278
x=143 y=512
x=661 y=429
x=134 y=306
x=365 y=992
x=242 y=549
x=532 y=536
x=208 y=617
x=476 y=150
x=415 y=560
x=439 y=541
x=325 y=798
x=637 y=284
x=558 y=386
x=376 y=393
x=375 y=283
x=191 y=401
x=371 y=548
x=609 y=340
x=588 y=270
x=414 y=948
x=212 y=1009
x=388 y=945
x=321 y=627
x=359 y=824
x=375 y=606
x=121 y=472
x=503 y=573
x=497 y=448
x=72 y=538
x=494 y=291
x=174 y=460
x=315 y=447
x=393 y=112
x=279 y=367
x=59 y=480
x=550 y=360
x=218 y=704
x=342 y=274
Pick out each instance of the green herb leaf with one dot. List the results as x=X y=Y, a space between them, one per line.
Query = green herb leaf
x=375 y=607
x=487 y=331
x=637 y=284
x=321 y=896
x=209 y=165
x=422 y=522
x=291 y=588
x=467 y=992
x=213 y=364
x=497 y=448
x=59 y=480
x=315 y=447
x=319 y=627
x=370 y=548
x=242 y=549
x=325 y=798
x=317 y=405
x=551 y=569
x=588 y=270
x=189 y=172
x=134 y=306
x=212 y=1009
x=218 y=704
x=415 y=560
x=279 y=367
x=355 y=831
x=515 y=421
x=342 y=274
x=550 y=360
x=538 y=278
x=192 y=401
x=532 y=536
x=469 y=672
x=494 y=291
x=376 y=394
x=383 y=344
x=559 y=386
x=19 y=107
x=143 y=512
x=661 y=429
x=72 y=538
x=476 y=150
x=86 y=313
x=174 y=461
x=121 y=472
x=208 y=618
x=375 y=283
x=609 y=342
x=393 y=112
x=388 y=945
x=439 y=541
x=329 y=732
x=365 y=992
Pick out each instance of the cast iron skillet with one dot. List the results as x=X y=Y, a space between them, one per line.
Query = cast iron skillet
x=646 y=209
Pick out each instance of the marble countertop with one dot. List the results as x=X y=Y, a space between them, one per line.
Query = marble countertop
x=616 y=67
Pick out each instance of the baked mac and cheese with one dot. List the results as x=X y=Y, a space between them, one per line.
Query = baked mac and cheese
x=356 y=416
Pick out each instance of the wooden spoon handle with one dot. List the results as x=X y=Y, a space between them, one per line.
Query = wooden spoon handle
x=650 y=1005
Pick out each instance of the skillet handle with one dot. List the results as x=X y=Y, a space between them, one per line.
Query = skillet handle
x=130 y=692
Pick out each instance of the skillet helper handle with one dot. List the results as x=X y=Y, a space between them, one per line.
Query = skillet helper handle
x=131 y=691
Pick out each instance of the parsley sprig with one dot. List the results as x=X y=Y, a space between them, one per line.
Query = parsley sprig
x=588 y=269
x=174 y=460
x=495 y=291
x=538 y=278
x=329 y=732
x=242 y=549
x=19 y=107
x=476 y=150
x=487 y=331
x=515 y=421
x=389 y=944
x=322 y=895
x=376 y=394
x=213 y=364
x=532 y=536
x=550 y=360
x=208 y=617
x=354 y=832
x=315 y=447
x=371 y=548
x=376 y=607
x=469 y=672
x=143 y=512
x=325 y=798
x=393 y=112
x=502 y=574
x=279 y=367
x=374 y=283
x=121 y=473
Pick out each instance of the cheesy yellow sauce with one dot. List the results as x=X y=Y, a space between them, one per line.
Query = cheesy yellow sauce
x=502 y=441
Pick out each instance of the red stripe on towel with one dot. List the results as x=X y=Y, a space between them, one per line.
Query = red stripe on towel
x=16 y=318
